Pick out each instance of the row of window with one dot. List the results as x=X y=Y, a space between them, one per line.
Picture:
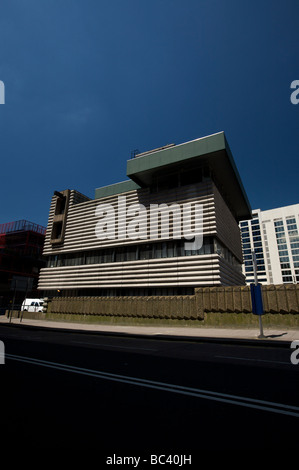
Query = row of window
x=252 y=222
x=284 y=255
x=247 y=248
x=165 y=249
x=282 y=230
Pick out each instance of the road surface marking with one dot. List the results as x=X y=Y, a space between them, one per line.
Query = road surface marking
x=255 y=360
x=110 y=346
x=194 y=392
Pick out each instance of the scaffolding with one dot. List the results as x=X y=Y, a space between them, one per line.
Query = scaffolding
x=21 y=246
x=22 y=225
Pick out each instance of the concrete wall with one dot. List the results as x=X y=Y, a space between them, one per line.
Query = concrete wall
x=282 y=298
x=277 y=299
x=167 y=307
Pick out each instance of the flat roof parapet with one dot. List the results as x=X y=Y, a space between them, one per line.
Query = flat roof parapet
x=154 y=150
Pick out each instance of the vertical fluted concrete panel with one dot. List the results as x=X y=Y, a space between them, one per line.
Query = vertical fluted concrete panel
x=229 y=299
x=155 y=307
x=193 y=308
x=206 y=299
x=272 y=299
x=172 y=307
x=119 y=307
x=199 y=303
x=276 y=299
x=221 y=299
x=246 y=299
x=281 y=299
x=265 y=299
x=292 y=297
x=163 y=311
x=237 y=299
x=214 y=300
x=185 y=308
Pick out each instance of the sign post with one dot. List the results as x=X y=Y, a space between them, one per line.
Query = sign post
x=19 y=284
x=256 y=296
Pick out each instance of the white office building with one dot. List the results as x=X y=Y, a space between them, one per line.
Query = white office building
x=273 y=236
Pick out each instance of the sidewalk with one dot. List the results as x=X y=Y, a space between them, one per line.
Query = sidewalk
x=271 y=335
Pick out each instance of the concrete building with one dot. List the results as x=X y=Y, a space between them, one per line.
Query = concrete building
x=202 y=172
x=273 y=235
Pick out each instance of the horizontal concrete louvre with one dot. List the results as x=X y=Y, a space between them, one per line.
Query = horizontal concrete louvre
x=228 y=230
x=230 y=275
x=169 y=271
x=82 y=220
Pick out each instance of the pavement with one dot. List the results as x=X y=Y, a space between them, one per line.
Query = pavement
x=272 y=336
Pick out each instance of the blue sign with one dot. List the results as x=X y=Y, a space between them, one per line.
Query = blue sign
x=256 y=299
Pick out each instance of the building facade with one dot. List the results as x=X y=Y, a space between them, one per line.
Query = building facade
x=273 y=236
x=21 y=247
x=80 y=261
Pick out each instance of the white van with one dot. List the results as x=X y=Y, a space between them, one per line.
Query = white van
x=32 y=305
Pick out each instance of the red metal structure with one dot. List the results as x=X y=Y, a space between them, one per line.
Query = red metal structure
x=21 y=246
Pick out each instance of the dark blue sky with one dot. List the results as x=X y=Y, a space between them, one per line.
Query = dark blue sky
x=88 y=81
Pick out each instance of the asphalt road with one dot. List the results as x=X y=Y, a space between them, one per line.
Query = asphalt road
x=124 y=395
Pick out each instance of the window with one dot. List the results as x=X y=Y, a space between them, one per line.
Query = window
x=283 y=253
x=60 y=205
x=261 y=268
x=258 y=244
x=146 y=252
x=255 y=222
x=246 y=246
x=280 y=235
x=57 y=230
x=282 y=245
